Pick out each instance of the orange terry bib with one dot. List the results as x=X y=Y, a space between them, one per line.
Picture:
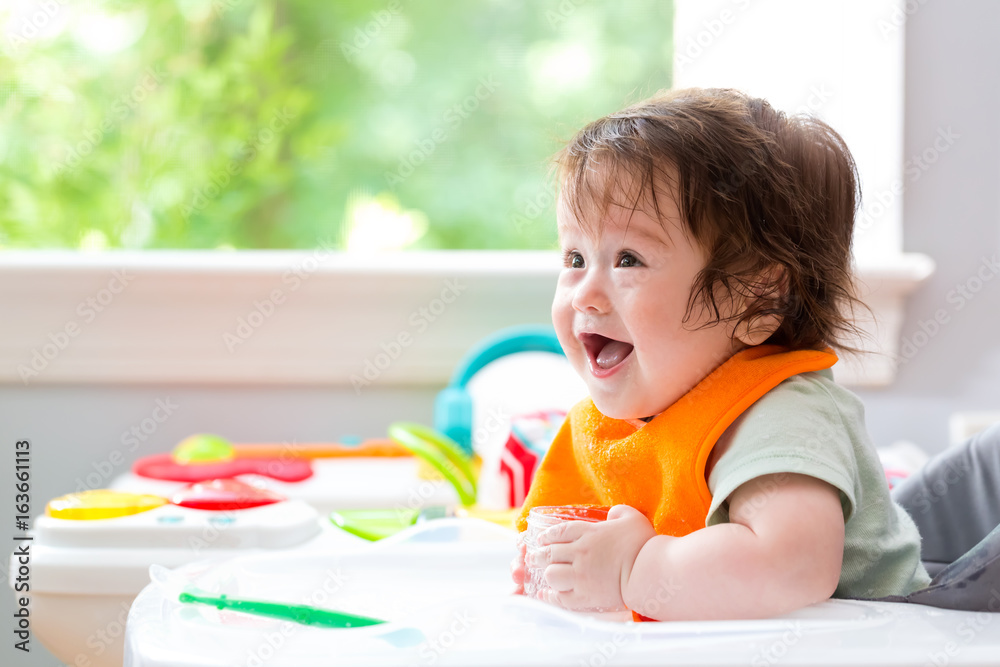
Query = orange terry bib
x=660 y=468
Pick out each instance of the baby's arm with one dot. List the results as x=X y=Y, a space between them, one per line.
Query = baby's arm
x=782 y=550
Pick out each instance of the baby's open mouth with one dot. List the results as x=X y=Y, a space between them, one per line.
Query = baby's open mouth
x=605 y=352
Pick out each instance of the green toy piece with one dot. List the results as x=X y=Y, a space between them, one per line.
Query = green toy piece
x=443 y=453
x=438 y=450
x=374 y=524
x=203 y=448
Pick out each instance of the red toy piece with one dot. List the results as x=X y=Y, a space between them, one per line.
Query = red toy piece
x=224 y=494
x=163 y=466
x=530 y=437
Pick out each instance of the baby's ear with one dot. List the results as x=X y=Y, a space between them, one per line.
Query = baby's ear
x=766 y=291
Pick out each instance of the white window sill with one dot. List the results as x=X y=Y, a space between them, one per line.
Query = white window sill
x=324 y=318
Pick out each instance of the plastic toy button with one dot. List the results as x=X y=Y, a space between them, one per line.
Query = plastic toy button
x=224 y=494
x=101 y=504
x=203 y=448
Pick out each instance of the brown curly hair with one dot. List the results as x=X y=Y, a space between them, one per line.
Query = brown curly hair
x=757 y=189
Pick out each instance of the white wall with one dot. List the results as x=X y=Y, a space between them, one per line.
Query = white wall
x=952 y=213
x=841 y=61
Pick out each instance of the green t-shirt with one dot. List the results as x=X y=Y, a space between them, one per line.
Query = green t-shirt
x=811 y=426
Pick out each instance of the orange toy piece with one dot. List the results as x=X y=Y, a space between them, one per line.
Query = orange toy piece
x=320 y=450
x=660 y=468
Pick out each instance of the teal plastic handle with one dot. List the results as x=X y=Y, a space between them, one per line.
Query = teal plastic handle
x=453 y=406
x=297 y=613
x=443 y=453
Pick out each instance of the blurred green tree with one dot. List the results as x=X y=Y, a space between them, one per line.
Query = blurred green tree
x=293 y=123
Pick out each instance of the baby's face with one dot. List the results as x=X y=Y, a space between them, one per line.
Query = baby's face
x=620 y=305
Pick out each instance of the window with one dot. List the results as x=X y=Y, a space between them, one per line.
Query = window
x=294 y=124
x=363 y=126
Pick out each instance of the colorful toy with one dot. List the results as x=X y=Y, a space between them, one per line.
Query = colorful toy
x=517 y=371
x=445 y=457
x=205 y=456
x=453 y=408
x=91 y=553
x=211 y=497
x=530 y=437
x=378 y=473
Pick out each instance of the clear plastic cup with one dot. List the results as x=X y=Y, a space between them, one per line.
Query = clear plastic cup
x=541 y=518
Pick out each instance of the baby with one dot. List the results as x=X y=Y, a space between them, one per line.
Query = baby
x=706 y=243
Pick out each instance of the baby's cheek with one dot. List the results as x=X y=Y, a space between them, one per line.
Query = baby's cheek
x=562 y=322
x=562 y=307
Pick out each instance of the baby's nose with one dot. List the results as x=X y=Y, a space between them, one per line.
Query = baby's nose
x=591 y=297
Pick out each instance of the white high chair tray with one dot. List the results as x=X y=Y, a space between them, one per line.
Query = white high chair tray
x=444 y=587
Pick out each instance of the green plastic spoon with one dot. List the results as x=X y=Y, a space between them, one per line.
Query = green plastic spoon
x=298 y=613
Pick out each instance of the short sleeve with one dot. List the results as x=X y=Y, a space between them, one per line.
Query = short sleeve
x=811 y=426
x=797 y=427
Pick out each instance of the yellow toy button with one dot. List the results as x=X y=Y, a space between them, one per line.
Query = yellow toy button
x=101 y=504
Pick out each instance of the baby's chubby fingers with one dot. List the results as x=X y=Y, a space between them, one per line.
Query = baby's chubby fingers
x=567 y=599
x=554 y=553
x=569 y=531
x=624 y=512
x=517 y=568
x=560 y=577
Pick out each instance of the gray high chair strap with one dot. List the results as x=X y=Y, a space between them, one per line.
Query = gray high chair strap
x=955 y=498
x=971 y=583
x=955 y=502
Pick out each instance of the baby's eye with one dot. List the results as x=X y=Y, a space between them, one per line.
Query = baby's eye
x=627 y=260
x=573 y=260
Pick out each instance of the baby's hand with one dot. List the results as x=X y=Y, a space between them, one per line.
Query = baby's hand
x=517 y=566
x=588 y=564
